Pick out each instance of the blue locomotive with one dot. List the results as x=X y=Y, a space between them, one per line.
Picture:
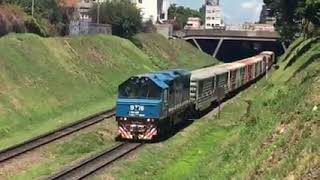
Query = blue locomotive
x=149 y=105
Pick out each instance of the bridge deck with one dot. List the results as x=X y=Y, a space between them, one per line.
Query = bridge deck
x=206 y=33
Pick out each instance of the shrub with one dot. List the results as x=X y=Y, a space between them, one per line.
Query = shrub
x=11 y=19
x=148 y=27
x=34 y=27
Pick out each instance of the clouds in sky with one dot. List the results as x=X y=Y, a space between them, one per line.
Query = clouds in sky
x=253 y=5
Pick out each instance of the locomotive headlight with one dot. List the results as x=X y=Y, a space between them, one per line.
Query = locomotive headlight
x=125 y=118
x=148 y=120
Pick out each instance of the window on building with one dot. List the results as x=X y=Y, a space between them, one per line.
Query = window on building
x=208 y=18
x=140 y=1
x=208 y=24
x=162 y=16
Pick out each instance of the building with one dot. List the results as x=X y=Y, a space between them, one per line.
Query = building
x=193 y=23
x=266 y=16
x=83 y=7
x=248 y=26
x=154 y=10
x=213 y=18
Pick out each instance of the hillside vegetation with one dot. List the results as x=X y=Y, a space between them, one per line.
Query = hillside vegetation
x=12 y=19
x=166 y=53
x=49 y=82
x=270 y=131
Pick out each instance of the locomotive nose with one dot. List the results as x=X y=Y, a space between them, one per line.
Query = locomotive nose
x=139 y=108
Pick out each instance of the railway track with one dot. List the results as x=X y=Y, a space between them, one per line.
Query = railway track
x=95 y=163
x=16 y=150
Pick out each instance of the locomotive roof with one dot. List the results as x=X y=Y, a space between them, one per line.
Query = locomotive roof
x=161 y=77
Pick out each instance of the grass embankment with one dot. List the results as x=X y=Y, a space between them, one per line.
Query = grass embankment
x=176 y=53
x=46 y=83
x=50 y=82
x=270 y=131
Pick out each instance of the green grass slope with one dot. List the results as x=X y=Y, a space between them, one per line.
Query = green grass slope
x=46 y=83
x=270 y=131
x=170 y=53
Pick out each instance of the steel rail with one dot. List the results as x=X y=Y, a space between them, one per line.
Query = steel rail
x=96 y=162
x=16 y=150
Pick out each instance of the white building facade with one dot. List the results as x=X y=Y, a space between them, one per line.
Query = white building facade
x=193 y=23
x=154 y=10
x=214 y=18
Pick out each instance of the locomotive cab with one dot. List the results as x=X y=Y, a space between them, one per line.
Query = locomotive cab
x=139 y=107
x=147 y=104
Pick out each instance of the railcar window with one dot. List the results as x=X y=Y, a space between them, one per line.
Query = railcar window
x=139 y=89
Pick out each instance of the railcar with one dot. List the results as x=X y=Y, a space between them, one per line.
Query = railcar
x=270 y=58
x=150 y=104
x=204 y=85
x=236 y=75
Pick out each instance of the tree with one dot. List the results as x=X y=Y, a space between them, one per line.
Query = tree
x=181 y=15
x=295 y=17
x=311 y=14
x=124 y=17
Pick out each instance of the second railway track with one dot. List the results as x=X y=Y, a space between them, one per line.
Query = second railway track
x=95 y=163
x=16 y=150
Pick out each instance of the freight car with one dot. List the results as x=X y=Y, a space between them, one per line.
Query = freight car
x=150 y=105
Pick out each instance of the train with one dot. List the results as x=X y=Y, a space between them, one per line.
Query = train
x=150 y=105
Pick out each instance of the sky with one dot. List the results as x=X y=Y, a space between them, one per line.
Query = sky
x=234 y=11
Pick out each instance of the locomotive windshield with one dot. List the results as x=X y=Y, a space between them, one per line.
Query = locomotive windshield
x=139 y=88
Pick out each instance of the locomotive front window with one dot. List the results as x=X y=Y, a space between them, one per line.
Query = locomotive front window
x=140 y=88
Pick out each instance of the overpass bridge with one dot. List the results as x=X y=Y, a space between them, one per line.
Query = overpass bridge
x=229 y=46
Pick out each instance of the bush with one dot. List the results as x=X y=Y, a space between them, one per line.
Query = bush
x=148 y=27
x=11 y=19
x=34 y=27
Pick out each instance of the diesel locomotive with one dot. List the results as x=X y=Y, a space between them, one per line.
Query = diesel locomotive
x=150 y=105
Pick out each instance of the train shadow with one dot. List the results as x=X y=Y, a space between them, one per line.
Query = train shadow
x=178 y=128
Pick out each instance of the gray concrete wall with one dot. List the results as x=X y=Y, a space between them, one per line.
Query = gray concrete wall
x=165 y=29
x=82 y=27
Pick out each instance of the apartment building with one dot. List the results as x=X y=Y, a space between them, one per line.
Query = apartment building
x=214 y=18
x=154 y=10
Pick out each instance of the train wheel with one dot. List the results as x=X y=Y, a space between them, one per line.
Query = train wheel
x=118 y=138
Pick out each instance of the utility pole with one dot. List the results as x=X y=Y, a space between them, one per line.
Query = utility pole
x=32 y=8
x=98 y=12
